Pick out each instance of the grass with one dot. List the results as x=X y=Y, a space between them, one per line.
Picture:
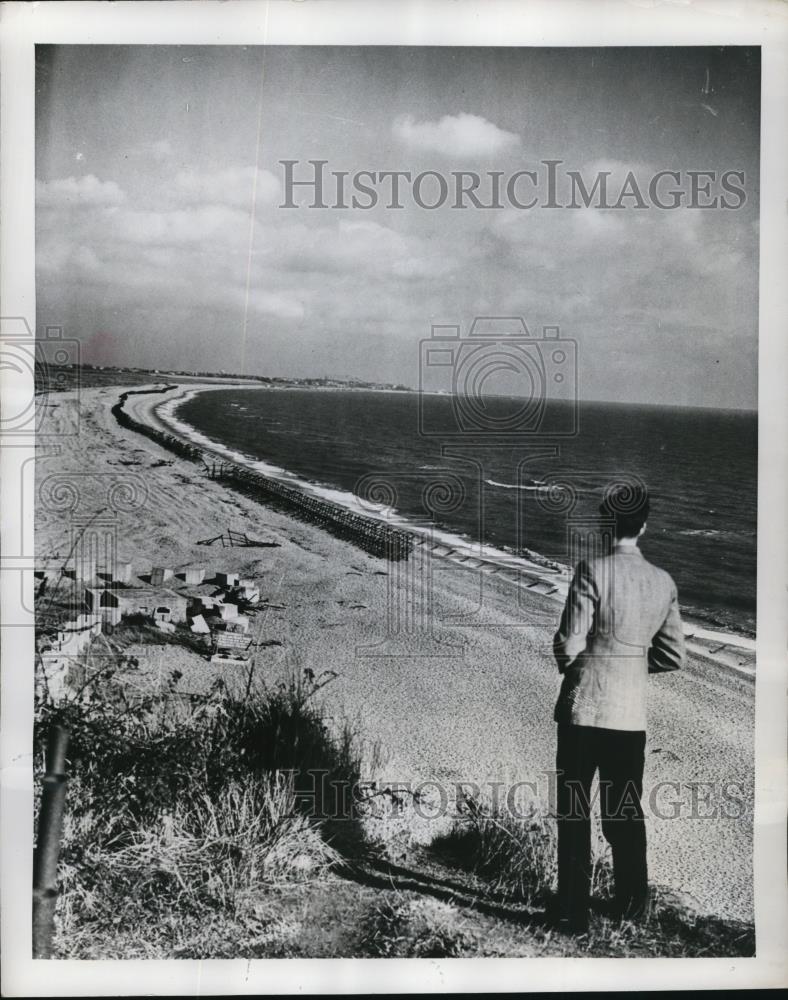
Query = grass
x=404 y=927
x=229 y=828
x=173 y=818
x=515 y=858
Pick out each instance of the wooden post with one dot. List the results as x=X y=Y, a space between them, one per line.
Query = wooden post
x=47 y=853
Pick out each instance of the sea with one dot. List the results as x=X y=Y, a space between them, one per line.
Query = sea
x=418 y=460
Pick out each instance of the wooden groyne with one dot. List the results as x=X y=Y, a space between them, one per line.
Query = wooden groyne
x=367 y=533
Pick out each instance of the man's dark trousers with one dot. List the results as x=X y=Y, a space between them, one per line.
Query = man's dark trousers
x=619 y=755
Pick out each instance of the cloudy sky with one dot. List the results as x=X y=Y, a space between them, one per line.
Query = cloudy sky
x=161 y=241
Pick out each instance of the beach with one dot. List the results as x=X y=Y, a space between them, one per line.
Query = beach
x=470 y=702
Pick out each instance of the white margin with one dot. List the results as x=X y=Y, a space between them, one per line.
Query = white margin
x=402 y=22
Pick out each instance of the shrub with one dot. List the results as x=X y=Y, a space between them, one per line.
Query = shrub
x=171 y=815
x=515 y=855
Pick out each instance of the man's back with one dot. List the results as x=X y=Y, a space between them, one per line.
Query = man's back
x=621 y=621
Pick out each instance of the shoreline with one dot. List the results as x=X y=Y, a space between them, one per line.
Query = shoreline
x=728 y=648
x=475 y=707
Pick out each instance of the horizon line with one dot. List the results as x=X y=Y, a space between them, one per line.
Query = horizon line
x=375 y=385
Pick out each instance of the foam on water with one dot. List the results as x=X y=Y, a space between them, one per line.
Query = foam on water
x=463 y=545
x=391 y=452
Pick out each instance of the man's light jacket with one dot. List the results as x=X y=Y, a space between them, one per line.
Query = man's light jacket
x=621 y=622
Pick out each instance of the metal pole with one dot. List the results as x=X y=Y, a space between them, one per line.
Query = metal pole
x=50 y=829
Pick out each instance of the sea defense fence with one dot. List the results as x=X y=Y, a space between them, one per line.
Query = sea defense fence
x=367 y=533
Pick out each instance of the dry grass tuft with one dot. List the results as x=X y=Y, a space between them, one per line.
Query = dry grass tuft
x=417 y=928
x=175 y=822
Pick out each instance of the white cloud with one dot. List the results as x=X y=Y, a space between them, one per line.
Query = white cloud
x=86 y=190
x=455 y=135
x=182 y=252
x=275 y=304
x=216 y=223
x=236 y=186
x=351 y=247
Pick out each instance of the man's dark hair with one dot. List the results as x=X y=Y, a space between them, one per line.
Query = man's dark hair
x=628 y=506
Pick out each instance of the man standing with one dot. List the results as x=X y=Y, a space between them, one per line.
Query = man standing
x=620 y=623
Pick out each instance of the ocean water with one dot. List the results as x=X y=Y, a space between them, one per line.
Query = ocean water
x=532 y=495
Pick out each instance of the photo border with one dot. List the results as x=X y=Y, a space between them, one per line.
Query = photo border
x=559 y=23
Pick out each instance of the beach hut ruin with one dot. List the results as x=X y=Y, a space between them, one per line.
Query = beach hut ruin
x=199 y=626
x=227 y=611
x=51 y=573
x=60 y=654
x=159 y=604
x=120 y=572
x=83 y=568
x=247 y=591
x=160 y=575
x=105 y=603
x=238 y=624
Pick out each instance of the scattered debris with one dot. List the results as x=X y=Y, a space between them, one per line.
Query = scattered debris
x=112 y=605
x=199 y=626
x=238 y=539
x=210 y=541
x=237 y=642
x=247 y=591
x=238 y=624
x=113 y=593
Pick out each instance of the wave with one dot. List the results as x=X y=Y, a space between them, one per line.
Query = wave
x=535 y=484
x=720 y=620
x=461 y=545
x=716 y=533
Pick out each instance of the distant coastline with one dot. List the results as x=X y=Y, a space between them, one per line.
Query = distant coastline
x=724 y=646
x=55 y=379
